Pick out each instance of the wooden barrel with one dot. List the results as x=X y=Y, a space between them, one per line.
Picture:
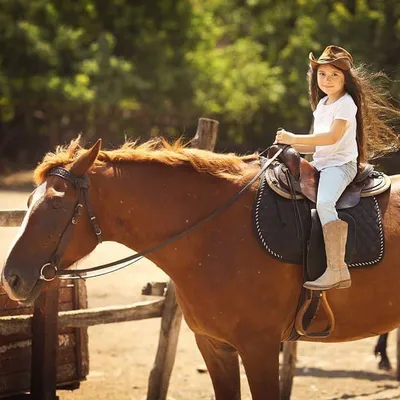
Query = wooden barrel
x=72 y=351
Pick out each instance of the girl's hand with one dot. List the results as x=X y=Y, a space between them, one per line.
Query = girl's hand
x=284 y=137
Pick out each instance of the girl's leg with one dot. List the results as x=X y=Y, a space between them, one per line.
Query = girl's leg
x=333 y=182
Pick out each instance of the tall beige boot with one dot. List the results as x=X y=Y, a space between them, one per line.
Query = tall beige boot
x=337 y=274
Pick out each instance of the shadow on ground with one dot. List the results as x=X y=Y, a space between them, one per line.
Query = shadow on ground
x=355 y=374
x=382 y=388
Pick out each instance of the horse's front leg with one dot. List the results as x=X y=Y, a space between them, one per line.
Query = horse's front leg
x=223 y=365
x=260 y=358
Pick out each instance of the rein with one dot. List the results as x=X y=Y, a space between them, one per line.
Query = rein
x=50 y=271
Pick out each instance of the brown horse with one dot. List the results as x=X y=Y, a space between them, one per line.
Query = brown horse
x=234 y=296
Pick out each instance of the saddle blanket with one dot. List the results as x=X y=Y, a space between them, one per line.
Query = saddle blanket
x=287 y=234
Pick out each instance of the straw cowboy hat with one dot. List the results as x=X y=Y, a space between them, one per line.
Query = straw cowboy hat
x=334 y=55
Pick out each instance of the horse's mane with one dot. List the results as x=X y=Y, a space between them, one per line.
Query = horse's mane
x=227 y=166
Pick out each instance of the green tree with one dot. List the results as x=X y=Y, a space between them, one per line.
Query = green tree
x=153 y=67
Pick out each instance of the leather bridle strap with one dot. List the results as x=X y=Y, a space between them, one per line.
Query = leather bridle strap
x=124 y=262
x=49 y=270
x=82 y=185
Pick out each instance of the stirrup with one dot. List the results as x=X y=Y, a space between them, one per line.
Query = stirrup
x=300 y=315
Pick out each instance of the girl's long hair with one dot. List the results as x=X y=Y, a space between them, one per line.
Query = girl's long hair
x=375 y=116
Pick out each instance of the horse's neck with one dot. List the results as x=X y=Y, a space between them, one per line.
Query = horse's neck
x=145 y=204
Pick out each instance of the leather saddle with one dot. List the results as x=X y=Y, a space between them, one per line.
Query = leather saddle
x=293 y=176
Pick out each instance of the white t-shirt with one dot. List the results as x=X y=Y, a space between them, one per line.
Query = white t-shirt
x=345 y=149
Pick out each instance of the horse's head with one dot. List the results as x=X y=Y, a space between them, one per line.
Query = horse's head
x=50 y=235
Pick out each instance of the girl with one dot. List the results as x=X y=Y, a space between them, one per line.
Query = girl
x=348 y=118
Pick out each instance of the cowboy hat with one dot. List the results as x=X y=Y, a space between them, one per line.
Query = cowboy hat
x=334 y=55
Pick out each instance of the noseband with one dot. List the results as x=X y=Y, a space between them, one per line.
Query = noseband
x=50 y=270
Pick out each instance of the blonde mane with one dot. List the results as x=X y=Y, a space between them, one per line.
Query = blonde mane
x=227 y=166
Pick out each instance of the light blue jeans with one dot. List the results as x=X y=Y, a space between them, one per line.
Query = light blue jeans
x=332 y=183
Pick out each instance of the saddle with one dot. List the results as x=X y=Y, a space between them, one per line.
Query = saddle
x=285 y=213
x=293 y=173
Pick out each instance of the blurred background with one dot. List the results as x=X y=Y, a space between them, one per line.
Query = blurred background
x=141 y=68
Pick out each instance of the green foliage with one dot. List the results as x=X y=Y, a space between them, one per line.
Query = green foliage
x=149 y=67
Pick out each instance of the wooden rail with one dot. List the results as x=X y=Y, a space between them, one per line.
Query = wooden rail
x=16 y=324
x=11 y=218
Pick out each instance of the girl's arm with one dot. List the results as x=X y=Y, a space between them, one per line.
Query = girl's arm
x=304 y=148
x=336 y=132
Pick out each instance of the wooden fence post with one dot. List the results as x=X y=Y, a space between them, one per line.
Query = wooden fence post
x=168 y=342
x=288 y=369
x=206 y=135
x=44 y=345
x=205 y=138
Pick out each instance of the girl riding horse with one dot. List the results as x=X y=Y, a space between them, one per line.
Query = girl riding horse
x=347 y=118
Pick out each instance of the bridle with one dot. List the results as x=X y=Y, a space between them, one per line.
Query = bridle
x=50 y=270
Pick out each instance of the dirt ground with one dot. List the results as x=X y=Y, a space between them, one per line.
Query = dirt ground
x=121 y=355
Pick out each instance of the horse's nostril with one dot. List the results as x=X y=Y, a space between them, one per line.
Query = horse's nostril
x=14 y=281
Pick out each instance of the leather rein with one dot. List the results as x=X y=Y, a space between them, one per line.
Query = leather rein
x=50 y=270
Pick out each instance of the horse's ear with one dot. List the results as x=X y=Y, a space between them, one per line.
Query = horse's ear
x=84 y=162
